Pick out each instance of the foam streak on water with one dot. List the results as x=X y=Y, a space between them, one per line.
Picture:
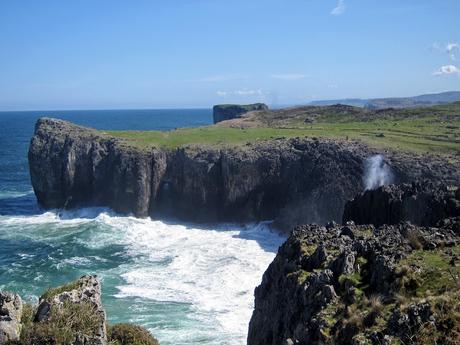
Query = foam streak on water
x=187 y=284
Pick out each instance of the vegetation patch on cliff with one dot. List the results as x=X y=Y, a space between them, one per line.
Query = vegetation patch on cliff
x=433 y=130
x=209 y=135
x=51 y=292
x=63 y=325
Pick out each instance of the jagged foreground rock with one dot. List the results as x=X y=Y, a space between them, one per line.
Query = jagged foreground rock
x=10 y=317
x=84 y=293
x=71 y=314
x=294 y=181
x=357 y=284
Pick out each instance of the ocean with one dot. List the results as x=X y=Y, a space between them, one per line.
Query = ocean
x=187 y=283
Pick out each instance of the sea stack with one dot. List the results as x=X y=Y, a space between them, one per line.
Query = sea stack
x=224 y=112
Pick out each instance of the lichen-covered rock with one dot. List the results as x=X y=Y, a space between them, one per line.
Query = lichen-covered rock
x=10 y=317
x=357 y=284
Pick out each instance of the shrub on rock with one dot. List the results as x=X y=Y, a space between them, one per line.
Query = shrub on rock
x=128 y=334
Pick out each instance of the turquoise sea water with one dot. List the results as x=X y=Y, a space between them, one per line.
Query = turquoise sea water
x=187 y=283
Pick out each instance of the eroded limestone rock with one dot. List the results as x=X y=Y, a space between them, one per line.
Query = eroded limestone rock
x=10 y=317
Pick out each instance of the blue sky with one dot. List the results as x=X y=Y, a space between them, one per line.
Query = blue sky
x=92 y=54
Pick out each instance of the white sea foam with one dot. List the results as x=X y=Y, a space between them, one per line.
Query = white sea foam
x=215 y=271
x=212 y=271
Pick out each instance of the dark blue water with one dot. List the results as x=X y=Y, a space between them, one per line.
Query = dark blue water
x=185 y=283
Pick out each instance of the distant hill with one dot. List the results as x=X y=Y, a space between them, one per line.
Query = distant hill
x=396 y=102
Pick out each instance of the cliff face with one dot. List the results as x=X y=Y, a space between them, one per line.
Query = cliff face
x=294 y=181
x=73 y=166
x=225 y=112
x=422 y=203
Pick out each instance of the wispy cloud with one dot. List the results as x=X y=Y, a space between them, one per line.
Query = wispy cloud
x=452 y=49
x=221 y=78
x=242 y=92
x=448 y=70
x=289 y=76
x=339 y=9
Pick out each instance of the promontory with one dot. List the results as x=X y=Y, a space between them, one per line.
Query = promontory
x=293 y=166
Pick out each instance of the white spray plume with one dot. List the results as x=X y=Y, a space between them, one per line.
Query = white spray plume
x=377 y=172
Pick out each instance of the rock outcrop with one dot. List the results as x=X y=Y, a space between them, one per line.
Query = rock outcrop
x=293 y=181
x=422 y=203
x=224 y=112
x=357 y=284
x=10 y=317
x=71 y=314
x=85 y=291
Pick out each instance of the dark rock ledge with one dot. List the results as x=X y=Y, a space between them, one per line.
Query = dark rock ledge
x=292 y=181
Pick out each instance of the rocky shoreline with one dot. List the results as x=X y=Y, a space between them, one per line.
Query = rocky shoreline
x=291 y=181
x=360 y=284
x=389 y=274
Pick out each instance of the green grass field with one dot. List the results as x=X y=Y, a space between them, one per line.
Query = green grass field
x=415 y=130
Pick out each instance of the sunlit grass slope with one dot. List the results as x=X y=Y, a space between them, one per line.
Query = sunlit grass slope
x=422 y=130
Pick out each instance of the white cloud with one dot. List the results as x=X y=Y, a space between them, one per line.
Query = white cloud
x=246 y=92
x=339 y=9
x=289 y=76
x=451 y=49
x=447 y=70
x=242 y=92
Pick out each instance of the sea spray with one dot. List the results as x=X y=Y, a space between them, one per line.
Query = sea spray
x=377 y=172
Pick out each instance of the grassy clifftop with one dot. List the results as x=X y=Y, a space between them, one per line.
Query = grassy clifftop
x=422 y=130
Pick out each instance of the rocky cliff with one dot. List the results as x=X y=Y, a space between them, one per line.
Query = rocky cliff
x=360 y=284
x=421 y=203
x=224 y=112
x=294 y=181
